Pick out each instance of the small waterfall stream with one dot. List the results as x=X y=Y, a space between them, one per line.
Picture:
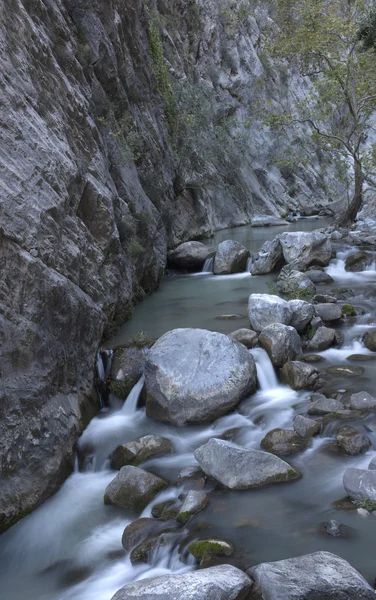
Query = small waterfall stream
x=208 y=265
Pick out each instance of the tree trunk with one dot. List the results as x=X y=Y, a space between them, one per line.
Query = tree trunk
x=350 y=215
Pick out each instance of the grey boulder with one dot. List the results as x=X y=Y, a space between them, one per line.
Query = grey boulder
x=328 y=312
x=190 y=255
x=268 y=221
x=362 y=401
x=268 y=259
x=244 y=336
x=306 y=427
x=224 y=582
x=322 y=340
x=324 y=406
x=231 y=257
x=300 y=375
x=294 y=284
x=127 y=367
x=369 y=340
x=283 y=442
x=241 y=468
x=318 y=277
x=133 y=488
x=134 y=453
x=302 y=313
x=194 y=502
x=317 y=576
x=360 y=484
x=352 y=441
x=266 y=309
x=303 y=249
x=281 y=342
x=195 y=376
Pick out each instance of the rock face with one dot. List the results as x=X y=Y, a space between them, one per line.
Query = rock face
x=281 y=342
x=190 y=255
x=231 y=257
x=224 y=373
x=134 y=453
x=133 y=488
x=217 y=583
x=360 y=484
x=242 y=468
x=302 y=249
x=300 y=375
x=318 y=576
x=294 y=284
x=265 y=309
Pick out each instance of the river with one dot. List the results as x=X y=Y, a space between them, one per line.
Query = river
x=70 y=548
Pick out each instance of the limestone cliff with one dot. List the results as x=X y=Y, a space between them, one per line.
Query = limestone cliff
x=126 y=127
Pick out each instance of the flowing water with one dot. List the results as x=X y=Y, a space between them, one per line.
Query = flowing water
x=70 y=548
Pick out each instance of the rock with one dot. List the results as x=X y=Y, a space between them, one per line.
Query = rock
x=362 y=401
x=348 y=310
x=318 y=277
x=193 y=503
x=137 y=452
x=324 y=299
x=267 y=221
x=302 y=249
x=127 y=367
x=302 y=313
x=369 y=340
x=133 y=488
x=322 y=340
x=325 y=406
x=344 y=371
x=360 y=484
x=201 y=549
x=269 y=258
x=317 y=576
x=242 y=468
x=223 y=582
x=328 y=312
x=358 y=262
x=228 y=317
x=352 y=441
x=265 y=309
x=312 y=358
x=339 y=338
x=372 y=464
x=300 y=376
x=334 y=528
x=363 y=512
x=317 y=322
x=231 y=257
x=138 y=530
x=283 y=442
x=294 y=284
x=145 y=550
x=361 y=357
x=190 y=255
x=281 y=342
x=306 y=427
x=224 y=373
x=247 y=337
x=188 y=475
x=166 y=510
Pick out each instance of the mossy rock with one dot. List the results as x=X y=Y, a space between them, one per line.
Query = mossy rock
x=345 y=371
x=348 y=310
x=210 y=546
x=140 y=340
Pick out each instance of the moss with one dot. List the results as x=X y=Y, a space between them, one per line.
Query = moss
x=310 y=331
x=120 y=388
x=348 y=310
x=106 y=499
x=183 y=517
x=206 y=547
x=367 y=504
x=160 y=69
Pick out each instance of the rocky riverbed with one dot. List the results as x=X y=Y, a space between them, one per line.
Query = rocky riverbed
x=232 y=443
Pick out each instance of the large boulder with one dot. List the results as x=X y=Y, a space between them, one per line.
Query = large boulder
x=224 y=582
x=328 y=312
x=268 y=259
x=352 y=441
x=134 y=453
x=195 y=376
x=190 y=255
x=266 y=309
x=294 y=284
x=322 y=340
x=360 y=484
x=302 y=249
x=281 y=342
x=302 y=313
x=318 y=576
x=231 y=257
x=133 y=488
x=241 y=468
x=300 y=375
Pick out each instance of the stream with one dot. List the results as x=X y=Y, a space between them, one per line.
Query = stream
x=70 y=547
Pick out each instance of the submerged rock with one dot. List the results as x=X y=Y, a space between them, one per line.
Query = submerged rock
x=318 y=576
x=134 y=453
x=306 y=427
x=345 y=371
x=224 y=582
x=360 y=484
x=283 y=442
x=194 y=502
x=195 y=376
x=294 y=284
x=334 y=529
x=241 y=468
x=247 y=337
x=190 y=255
x=281 y=342
x=231 y=257
x=133 y=488
x=302 y=249
x=352 y=441
x=300 y=375
x=266 y=309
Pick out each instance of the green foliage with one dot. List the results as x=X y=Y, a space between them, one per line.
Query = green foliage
x=367 y=29
x=272 y=288
x=160 y=70
x=367 y=504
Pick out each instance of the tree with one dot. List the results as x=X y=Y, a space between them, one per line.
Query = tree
x=321 y=39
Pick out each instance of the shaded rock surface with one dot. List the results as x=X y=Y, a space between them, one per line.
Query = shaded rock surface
x=302 y=313
x=127 y=367
x=133 y=488
x=322 y=339
x=352 y=441
x=194 y=502
x=300 y=375
x=134 y=453
x=281 y=342
x=360 y=484
x=247 y=337
x=362 y=401
x=268 y=259
x=306 y=427
x=230 y=257
x=294 y=284
x=283 y=442
x=328 y=312
x=369 y=340
x=190 y=255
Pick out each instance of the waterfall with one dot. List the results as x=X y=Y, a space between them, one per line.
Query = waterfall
x=130 y=404
x=249 y=265
x=265 y=371
x=100 y=367
x=208 y=265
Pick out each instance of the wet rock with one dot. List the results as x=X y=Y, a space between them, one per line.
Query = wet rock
x=324 y=299
x=325 y=406
x=348 y=310
x=312 y=358
x=241 y=468
x=144 y=551
x=193 y=503
x=167 y=509
x=302 y=313
x=358 y=262
x=190 y=255
x=362 y=401
x=317 y=576
x=363 y=512
x=269 y=258
x=294 y=284
x=127 y=367
x=300 y=376
x=228 y=317
x=317 y=322
x=138 y=530
x=202 y=549
x=318 y=277
x=322 y=340
x=281 y=342
x=360 y=484
x=334 y=529
x=306 y=427
x=345 y=371
x=133 y=488
x=302 y=249
x=188 y=475
x=352 y=441
x=372 y=464
x=369 y=340
x=231 y=257
x=360 y=357
x=137 y=452
x=247 y=337
x=224 y=373
x=283 y=442
x=223 y=582
x=339 y=338
x=328 y=312
x=266 y=309
x=267 y=221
